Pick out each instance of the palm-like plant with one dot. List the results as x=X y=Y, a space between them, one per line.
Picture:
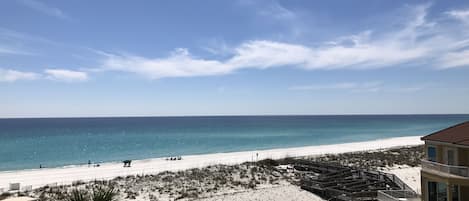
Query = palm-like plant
x=78 y=195
x=99 y=194
x=104 y=194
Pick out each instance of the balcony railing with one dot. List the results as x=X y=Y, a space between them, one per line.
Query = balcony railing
x=449 y=169
x=397 y=195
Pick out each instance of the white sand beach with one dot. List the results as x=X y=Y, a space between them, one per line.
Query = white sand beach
x=66 y=175
x=409 y=175
x=280 y=193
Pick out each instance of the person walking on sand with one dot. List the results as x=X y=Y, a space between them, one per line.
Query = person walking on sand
x=89 y=163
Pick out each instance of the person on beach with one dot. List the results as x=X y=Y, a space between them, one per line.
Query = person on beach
x=89 y=163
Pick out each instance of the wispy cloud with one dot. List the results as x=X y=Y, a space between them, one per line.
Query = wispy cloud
x=462 y=15
x=218 y=47
x=10 y=43
x=277 y=11
x=349 y=86
x=12 y=35
x=8 y=50
x=292 y=21
x=409 y=89
x=8 y=75
x=66 y=75
x=45 y=9
x=418 y=40
x=375 y=86
x=17 y=43
x=179 y=64
x=454 y=59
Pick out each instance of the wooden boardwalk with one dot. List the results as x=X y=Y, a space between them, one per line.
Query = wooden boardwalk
x=341 y=183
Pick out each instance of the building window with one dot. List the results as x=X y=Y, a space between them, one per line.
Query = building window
x=438 y=192
x=450 y=157
x=431 y=153
x=442 y=192
x=455 y=193
x=432 y=196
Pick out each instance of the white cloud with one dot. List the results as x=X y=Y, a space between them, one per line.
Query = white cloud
x=344 y=85
x=65 y=75
x=374 y=86
x=179 y=64
x=275 y=10
x=411 y=89
x=417 y=41
x=349 y=86
x=44 y=8
x=462 y=15
x=218 y=47
x=7 y=50
x=7 y=75
x=266 y=54
x=454 y=59
x=294 y=22
x=18 y=43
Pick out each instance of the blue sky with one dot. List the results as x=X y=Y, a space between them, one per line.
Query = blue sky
x=165 y=58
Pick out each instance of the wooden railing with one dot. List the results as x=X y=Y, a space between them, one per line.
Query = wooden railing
x=397 y=196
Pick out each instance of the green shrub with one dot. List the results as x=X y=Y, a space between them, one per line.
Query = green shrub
x=78 y=195
x=98 y=194
x=104 y=194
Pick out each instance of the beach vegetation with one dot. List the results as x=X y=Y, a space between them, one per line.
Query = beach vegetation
x=131 y=194
x=98 y=193
x=215 y=179
x=252 y=183
x=268 y=163
x=101 y=193
x=78 y=195
x=5 y=195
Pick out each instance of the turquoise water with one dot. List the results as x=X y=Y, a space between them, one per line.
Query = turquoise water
x=52 y=142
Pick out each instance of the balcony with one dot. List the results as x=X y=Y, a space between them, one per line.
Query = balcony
x=461 y=171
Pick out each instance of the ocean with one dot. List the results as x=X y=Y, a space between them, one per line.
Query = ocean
x=55 y=142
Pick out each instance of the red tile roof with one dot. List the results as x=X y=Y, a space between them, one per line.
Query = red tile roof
x=457 y=134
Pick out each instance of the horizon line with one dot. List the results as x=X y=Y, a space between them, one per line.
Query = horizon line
x=233 y=115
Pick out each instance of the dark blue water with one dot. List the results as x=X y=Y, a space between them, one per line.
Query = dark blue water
x=26 y=143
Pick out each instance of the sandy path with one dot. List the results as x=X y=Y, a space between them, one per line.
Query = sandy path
x=281 y=193
x=409 y=175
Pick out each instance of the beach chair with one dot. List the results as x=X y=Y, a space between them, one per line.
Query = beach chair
x=127 y=163
x=14 y=187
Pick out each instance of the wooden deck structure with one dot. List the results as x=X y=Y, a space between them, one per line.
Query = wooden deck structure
x=341 y=183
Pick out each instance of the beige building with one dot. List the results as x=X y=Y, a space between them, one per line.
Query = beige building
x=445 y=169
